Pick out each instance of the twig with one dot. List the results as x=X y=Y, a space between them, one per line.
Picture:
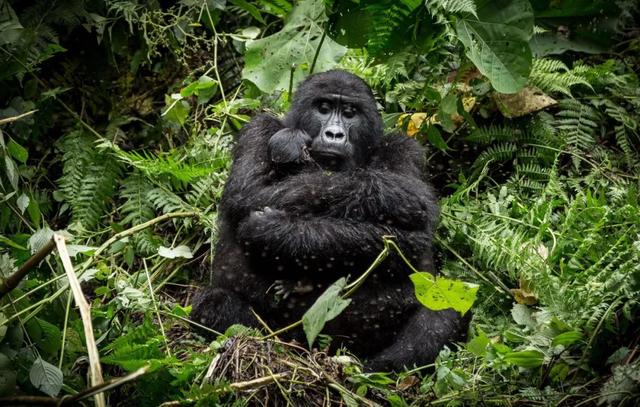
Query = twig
x=315 y=57
x=88 y=392
x=14 y=279
x=85 y=314
x=18 y=117
x=259 y=382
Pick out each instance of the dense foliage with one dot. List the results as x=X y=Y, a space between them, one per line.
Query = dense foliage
x=116 y=123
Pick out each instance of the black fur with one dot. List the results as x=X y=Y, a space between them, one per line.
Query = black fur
x=298 y=228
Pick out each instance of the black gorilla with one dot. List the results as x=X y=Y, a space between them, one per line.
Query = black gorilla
x=306 y=203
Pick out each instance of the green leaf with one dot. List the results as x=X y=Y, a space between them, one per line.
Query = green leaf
x=177 y=109
x=438 y=293
x=497 y=42
x=23 y=203
x=12 y=172
x=269 y=60
x=204 y=88
x=478 y=345
x=328 y=306
x=17 y=151
x=566 y=338
x=46 y=377
x=435 y=138
x=526 y=358
x=249 y=8
x=522 y=315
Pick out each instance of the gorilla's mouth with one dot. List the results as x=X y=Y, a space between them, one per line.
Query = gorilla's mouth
x=329 y=158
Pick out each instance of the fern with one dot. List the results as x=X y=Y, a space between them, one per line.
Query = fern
x=388 y=17
x=578 y=122
x=88 y=181
x=137 y=209
x=553 y=76
x=497 y=153
x=491 y=134
x=452 y=6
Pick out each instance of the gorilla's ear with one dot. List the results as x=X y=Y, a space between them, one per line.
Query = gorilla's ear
x=289 y=146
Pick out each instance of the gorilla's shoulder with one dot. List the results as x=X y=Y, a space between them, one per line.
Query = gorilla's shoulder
x=263 y=123
x=397 y=148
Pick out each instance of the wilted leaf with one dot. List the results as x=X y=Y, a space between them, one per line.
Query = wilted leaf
x=178 y=251
x=530 y=99
x=328 y=306
x=438 y=293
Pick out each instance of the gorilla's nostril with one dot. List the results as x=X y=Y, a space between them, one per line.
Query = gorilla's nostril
x=334 y=133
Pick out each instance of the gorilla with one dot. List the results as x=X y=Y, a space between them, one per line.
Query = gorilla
x=307 y=201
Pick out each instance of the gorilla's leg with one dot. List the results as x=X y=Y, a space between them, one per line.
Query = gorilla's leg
x=424 y=335
x=218 y=309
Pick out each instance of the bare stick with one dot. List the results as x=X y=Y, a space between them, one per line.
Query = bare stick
x=14 y=279
x=18 y=117
x=85 y=314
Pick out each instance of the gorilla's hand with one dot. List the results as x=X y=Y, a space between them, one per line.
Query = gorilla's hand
x=289 y=146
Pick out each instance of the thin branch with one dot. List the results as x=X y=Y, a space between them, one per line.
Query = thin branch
x=18 y=117
x=14 y=279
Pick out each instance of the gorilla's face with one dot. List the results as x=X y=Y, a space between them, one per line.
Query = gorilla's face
x=335 y=120
x=338 y=112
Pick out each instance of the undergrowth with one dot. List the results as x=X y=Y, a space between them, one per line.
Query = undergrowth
x=117 y=121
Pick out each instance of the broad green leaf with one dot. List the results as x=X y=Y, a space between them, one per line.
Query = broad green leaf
x=269 y=60
x=566 y=338
x=204 y=88
x=46 y=377
x=17 y=151
x=328 y=306
x=438 y=293
x=177 y=109
x=478 y=345
x=522 y=315
x=525 y=358
x=178 y=251
x=497 y=42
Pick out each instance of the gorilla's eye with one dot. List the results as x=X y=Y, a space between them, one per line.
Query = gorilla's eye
x=324 y=108
x=349 y=112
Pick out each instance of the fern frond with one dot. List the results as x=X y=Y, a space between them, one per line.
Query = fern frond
x=492 y=134
x=88 y=179
x=388 y=17
x=497 y=153
x=452 y=6
x=578 y=122
x=137 y=209
x=553 y=76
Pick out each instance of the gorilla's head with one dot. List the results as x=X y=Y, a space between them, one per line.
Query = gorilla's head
x=338 y=111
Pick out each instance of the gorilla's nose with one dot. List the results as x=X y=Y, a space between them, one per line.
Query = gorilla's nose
x=334 y=134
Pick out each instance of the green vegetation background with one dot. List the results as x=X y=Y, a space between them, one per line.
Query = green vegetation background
x=116 y=113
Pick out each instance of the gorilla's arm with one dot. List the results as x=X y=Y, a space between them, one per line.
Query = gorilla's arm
x=277 y=233
x=390 y=191
x=251 y=169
